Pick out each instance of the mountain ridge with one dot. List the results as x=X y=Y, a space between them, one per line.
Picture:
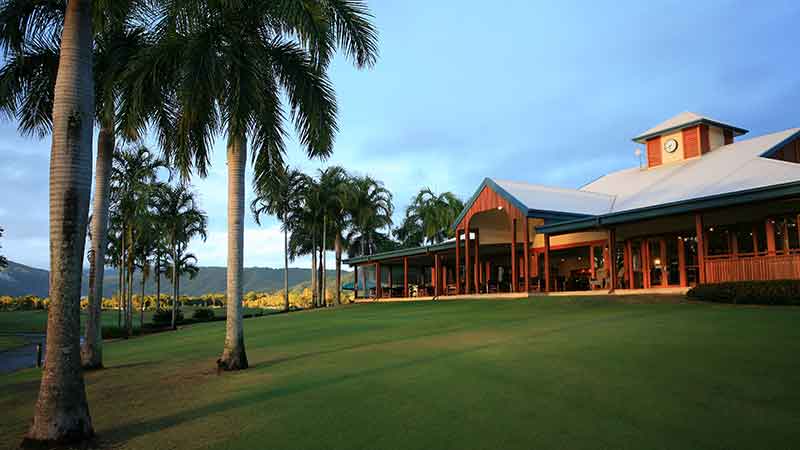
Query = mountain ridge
x=18 y=279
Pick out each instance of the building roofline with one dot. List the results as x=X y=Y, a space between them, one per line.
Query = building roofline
x=411 y=251
x=683 y=206
x=642 y=138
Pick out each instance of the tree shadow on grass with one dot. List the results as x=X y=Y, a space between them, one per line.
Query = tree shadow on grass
x=124 y=432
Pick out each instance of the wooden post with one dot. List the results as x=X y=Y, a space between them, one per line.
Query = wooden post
x=391 y=281
x=664 y=272
x=610 y=264
x=785 y=228
x=355 y=282
x=488 y=272
x=645 y=264
x=733 y=242
x=591 y=262
x=378 y=287
x=770 y=227
x=467 y=265
x=701 y=247
x=477 y=262
x=682 y=261
x=547 y=263
x=405 y=276
x=458 y=261
x=629 y=263
x=755 y=240
x=514 y=273
x=437 y=271
x=527 y=256
x=444 y=277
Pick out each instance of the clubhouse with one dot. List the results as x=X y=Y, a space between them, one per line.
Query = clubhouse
x=706 y=206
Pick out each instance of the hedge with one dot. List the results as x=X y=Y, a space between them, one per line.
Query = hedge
x=773 y=292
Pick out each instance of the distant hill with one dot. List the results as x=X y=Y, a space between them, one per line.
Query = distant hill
x=19 y=279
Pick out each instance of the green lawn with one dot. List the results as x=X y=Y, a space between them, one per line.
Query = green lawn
x=9 y=342
x=511 y=374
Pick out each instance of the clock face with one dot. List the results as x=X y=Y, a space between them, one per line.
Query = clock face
x=670 y=146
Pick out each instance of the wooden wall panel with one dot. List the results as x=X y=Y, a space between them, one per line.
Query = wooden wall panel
x=728 y=136
x=691 y=142
x=747 y=269
x=654 y=152
x=705 y=145
x=487 y=200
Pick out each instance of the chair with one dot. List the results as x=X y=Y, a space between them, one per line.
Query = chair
x=599 y=280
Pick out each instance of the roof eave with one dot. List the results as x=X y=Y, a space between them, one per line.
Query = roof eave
x=683 y=206
x=642 y=138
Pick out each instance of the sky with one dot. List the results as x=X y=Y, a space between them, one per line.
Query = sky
x=540 y=92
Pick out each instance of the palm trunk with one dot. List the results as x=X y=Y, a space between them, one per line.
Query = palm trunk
x=337 y=246
x=62 y=411
x=158 y=283
x=120 y=271
x=323 y=296
x=313 y=269
x=233 y=355
x=129 y=303
x=92 y=351
x=286 y=269
x=141 y=303
x=174 y=285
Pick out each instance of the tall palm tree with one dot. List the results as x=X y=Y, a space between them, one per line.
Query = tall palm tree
x=27 y=82
x=186 y=265
x=182 y=220
x=134 y=188
x=3 y=260
x=306 y=222
x=279 y=196
x=428 y=218
x=370 y=209
x=334 y=185
x=62 y=412
x=233 y=61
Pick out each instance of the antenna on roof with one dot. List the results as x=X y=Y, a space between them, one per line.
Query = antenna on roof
x=638 y=153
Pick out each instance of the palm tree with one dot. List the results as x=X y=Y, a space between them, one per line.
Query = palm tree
x=369 y=207
x=62 y=412
x=305 y=223
x=428 y=218
x=233 y=61
x=3 y=260
x=279 y=196
x=27 y=82
x=334 y=185
x=187 y=265
x=133 y=190
x=182 y=220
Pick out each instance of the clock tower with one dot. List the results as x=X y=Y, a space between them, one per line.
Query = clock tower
x=685 y=136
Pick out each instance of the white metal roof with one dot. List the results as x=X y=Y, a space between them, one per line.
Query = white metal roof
x=683 y=119
x=547 y=198
x=731 y=168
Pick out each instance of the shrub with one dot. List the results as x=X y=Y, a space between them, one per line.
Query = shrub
x=164 y=317
x=773 y=292
x=203 y=314
x=113 y=332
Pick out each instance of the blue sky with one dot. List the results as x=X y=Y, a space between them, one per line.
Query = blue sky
x=543 y=92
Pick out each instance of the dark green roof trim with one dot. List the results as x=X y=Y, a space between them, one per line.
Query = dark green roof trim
x=771 y=152
x=643 y=137
x=713 y=201
x=425 y=249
